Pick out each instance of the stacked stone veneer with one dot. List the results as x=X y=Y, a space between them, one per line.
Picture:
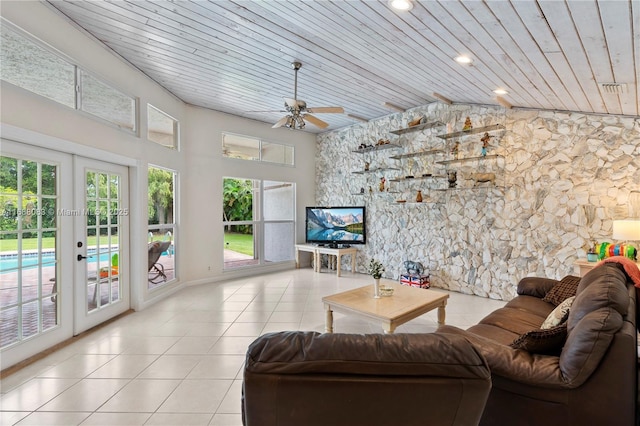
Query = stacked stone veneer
x=562 y=178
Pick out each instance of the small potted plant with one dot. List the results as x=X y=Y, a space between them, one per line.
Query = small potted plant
x=376 y=269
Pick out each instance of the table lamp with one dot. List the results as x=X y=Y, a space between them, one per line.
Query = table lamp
x=627 y=230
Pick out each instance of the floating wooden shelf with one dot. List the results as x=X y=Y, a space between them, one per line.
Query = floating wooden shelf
x=377 y=148
x=362 y=172
x=417 y=154
x=472 y=131
x=464 y=160
x=417 y=128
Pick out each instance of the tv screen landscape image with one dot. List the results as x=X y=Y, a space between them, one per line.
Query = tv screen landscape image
x=336 y=225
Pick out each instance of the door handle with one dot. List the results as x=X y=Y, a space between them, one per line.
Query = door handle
x=80 y=257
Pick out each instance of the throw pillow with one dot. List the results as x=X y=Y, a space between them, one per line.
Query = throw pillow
x=564 y=289
x=558 y=315
x=546 y=342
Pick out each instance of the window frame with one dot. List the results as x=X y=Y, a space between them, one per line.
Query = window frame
x=260 y=142
x=9 y=26
x=259 y=223
x=176 y=128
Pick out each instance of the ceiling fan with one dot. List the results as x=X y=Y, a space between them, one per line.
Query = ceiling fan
x=298 y=112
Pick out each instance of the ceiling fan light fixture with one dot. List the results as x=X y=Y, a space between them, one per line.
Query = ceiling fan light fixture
x=500 y=92
x=402 y=5
x=463 y=59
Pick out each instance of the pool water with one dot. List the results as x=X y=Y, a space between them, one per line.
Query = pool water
x=30 y=260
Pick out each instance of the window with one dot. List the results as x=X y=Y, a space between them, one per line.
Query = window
x=162 y=227
x=161 y=128
x=258 y=222
x=31 y=66
x=25 y=64
x=254 y=149
x=107 y=103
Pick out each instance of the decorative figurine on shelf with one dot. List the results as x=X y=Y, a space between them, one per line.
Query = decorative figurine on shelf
x=592 y=254
x=366 y=166
x=455 y=151
x=419 y=196
x=467 y=125
x=452 y=177
x=485 y=143
x=382 y=182
x=415 y=121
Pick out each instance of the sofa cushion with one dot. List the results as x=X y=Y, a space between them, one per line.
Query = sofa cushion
x=532 y=304
x=563 y=290
x=517 y=321
x=546 y=342
x=559 y=314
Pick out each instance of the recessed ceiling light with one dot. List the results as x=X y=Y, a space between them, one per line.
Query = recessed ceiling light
x=463 y=59
x=500 y=92
x=403 y=5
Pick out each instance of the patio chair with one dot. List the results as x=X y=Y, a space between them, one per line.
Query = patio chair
x=156 y=270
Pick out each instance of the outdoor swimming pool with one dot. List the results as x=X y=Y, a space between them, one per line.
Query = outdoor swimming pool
x=9 y=262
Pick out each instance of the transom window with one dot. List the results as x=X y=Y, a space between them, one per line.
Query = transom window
x=33 y=67
x=255 y=149
x=161 y=128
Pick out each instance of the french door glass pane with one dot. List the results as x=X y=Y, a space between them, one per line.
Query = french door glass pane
x=102 y=232
x=28 y=230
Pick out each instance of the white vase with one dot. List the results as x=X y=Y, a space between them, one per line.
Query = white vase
x=376 y=288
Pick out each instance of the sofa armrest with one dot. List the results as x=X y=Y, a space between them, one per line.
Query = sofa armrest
x=535 y=286
x=364 y=354
x=515 y=364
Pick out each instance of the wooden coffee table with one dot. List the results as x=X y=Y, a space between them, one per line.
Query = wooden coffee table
x=405 y=304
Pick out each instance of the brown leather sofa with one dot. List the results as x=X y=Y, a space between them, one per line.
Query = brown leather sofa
x=308 y=378
x=300 y=378
x=592 y=381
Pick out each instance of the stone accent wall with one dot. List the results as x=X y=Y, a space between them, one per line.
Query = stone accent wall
x=562 y=180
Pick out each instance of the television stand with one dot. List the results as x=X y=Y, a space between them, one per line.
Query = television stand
x=335 y=256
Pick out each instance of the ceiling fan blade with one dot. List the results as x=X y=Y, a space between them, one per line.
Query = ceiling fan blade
x=326 y=110
x=314 y=120
x=280 y=122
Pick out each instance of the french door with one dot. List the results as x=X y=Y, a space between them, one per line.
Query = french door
x=101 y=246
x=55 y=207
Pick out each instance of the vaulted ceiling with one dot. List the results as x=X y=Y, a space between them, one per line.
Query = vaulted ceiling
x=235 y=56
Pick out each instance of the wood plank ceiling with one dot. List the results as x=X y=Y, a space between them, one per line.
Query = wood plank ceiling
x=235 y=56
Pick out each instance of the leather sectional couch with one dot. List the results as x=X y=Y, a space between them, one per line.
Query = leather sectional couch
x=591 y=380
x=588 y=376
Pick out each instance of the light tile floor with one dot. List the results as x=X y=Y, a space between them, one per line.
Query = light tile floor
x=180 y=361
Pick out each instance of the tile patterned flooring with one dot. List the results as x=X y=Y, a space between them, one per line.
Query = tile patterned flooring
x=180 y=361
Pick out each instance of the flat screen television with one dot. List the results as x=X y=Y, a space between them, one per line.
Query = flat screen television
x=336 y=226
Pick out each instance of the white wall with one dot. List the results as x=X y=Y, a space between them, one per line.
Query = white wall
x=205 y=168
x=32 y=119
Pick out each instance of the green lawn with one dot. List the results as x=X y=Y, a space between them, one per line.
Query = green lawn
x=241 y=243
x=32 y=243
